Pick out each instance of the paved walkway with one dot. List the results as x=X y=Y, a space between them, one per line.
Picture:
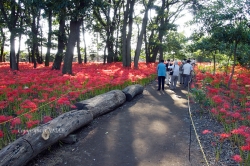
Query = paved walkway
x=151 y=130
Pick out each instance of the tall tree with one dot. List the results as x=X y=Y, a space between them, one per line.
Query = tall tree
x=142 y=32
x=48 y=10
x=106 y=13
x=226 y=20
x=2 y=43
x=78 y=11
x=164 y=21
x=61 y=35
x=127 y=32
x=11 y=13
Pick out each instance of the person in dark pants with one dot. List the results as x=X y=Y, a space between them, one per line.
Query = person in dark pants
x=161 y=72
x=168 y=71
x=187 y=68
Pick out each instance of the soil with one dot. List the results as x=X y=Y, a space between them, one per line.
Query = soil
x=152 y=129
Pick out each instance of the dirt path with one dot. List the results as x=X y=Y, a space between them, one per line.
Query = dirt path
x=151 y=130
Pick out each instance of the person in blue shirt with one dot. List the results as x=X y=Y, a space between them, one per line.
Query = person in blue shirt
x=161 y=72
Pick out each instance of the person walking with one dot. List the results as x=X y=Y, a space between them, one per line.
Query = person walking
x=167 y=71
x=181 y=78
x=161 y=72
x=174 y=78
x=187 y=68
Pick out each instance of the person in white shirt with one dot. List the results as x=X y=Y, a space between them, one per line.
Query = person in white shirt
x=167 y=71
x=187 y=68
x=193 y=61
x=181 y=78
x=174 y=78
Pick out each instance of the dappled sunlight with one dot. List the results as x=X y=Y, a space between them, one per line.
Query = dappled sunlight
x=178 y=100
x=140 y=146
x=158 y=127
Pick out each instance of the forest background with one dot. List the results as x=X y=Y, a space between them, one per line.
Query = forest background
x=127 y=31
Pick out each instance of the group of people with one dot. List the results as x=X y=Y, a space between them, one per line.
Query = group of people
x=171 y=72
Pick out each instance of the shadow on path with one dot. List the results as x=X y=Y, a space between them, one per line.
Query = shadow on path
x=151 y=130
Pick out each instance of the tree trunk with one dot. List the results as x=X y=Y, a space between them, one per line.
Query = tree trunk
x=84 y=41
x=2 y=46
x=19 y=46
x=49 y=37
x=103 y=103
x=214 y=63
x=146 y=48
x=60 y=45
x=129 y=35
x=74 y=32
x=78 y=49
x=13 y=65
x=132 y=90
x=38 y=139
x=140 y=37
x=34 y=40
x=124 y=36
x=104 y=55
x=232 y=73
x=110 y=47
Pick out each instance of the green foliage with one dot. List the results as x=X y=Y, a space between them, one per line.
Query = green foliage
x=200 y=97
x=119 y=59
x=226 y=27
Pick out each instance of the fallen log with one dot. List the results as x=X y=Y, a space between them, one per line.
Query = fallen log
x=103 y=103
x=40 y=138
x=132 y=90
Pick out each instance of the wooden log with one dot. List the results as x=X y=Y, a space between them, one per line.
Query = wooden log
x=103 y=103
x=39 y=138
x=17 y=153
x=132 y=90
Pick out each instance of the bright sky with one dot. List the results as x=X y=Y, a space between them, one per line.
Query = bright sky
x=182 y=24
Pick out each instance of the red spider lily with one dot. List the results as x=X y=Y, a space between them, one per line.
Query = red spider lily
x=212 y=90
x=29 y=105
x=248 y=104
x=237 y=158
x=214 y=111
x=31 y=124
x=47 y=119
x=242 y=130
x=234 y=87
x=3 y=118
x=15 y=122
x=206 y=131
x=217 y=99
x=1 y=134
x=224 y=136
x=226 y=105
x=63 y=101
x=236 y=115
x=14 y=132
x=243 y=92
x=28 y=116
x=19 y=112
x=32 y=88
x=3 y=104
x=52 y=99
x=223 y=111
x=245 y=147
x=235 y=107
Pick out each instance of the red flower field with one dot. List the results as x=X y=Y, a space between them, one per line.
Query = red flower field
x=30 y=97
x=228 y=105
